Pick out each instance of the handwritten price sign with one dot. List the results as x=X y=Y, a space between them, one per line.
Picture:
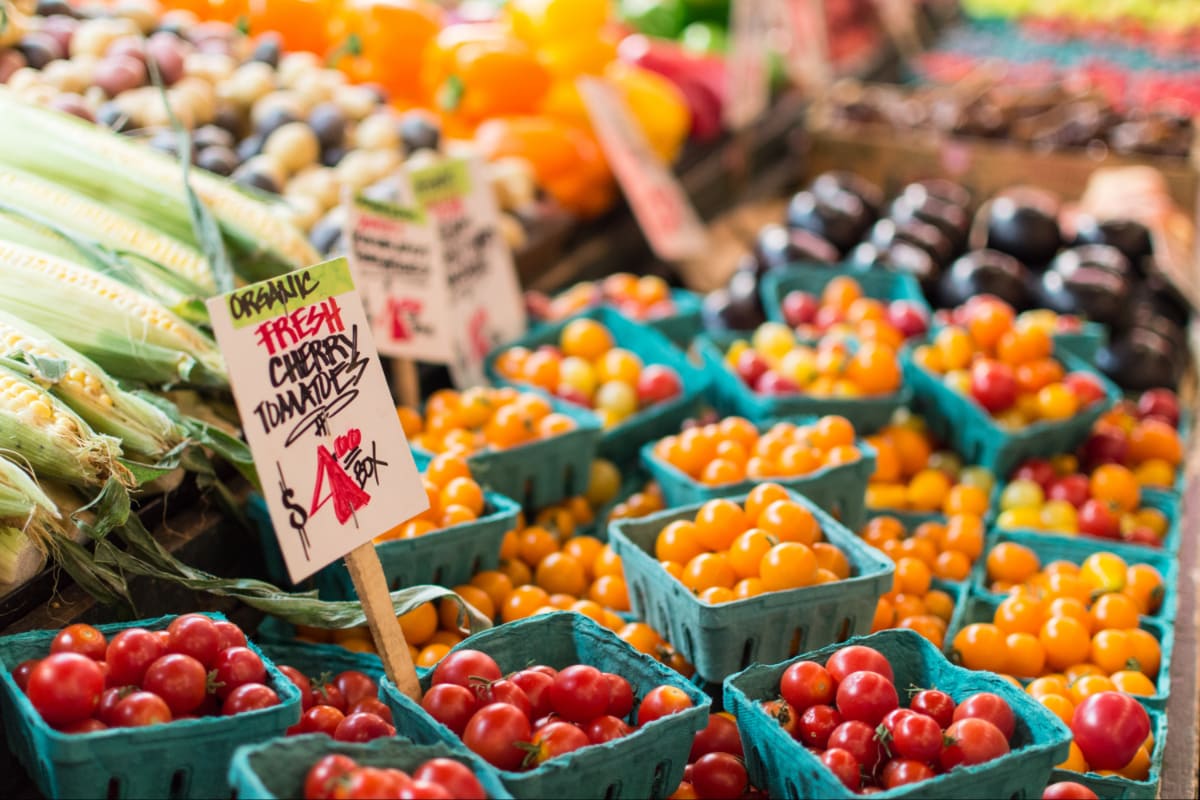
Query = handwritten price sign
x=662 y=208
x=317 y=413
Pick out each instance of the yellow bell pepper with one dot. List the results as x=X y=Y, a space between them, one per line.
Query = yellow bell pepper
x=657 y=104
x=548 y=21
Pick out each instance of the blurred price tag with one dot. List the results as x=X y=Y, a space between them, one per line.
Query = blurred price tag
x=751 y=27
x=661 y=207
x=808 y=45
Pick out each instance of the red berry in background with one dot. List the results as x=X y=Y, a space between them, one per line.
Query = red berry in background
x=972 y=741
x=935 y=704
x=1068 y=790
x=1109 y=727
x=606 y=729
x=720 y=735
x=236 y=666
x=373 y=705
x=65 y=688
x=301 y=682
x=495 y=734
x=1085 y=386
x=662 y=701
x=355 y=686
x=536 y=686
x=858 y=657
x=903 y=771
x=844 y=765
x=1075 y=489
x=556 y=739
x=908 y=318
x=22 y=671
x=229 y=635
x=249 y=697
x=325 y=774
x=657 y=383
x=1140 y=534
x=451 y=704
x=719 y=775
x=465 y=668
x=139 y=709
x=989 y=706
x=866 y=696
x=1161 y=404
x=319 y=719
x=504 y=691
x=1097 y=518
x=1105 y=445
x=179 y=680
x=782 y=712
x=993 y=385
x=816 y=724
x=859 y=739
x=620 y=696
x=130 y=654
x=362 y=727
x=1038 y=470
x=195 y=635
x=806 y=683
x=750 y=367
x=772 y=382
x=799 y=308
x=82 y=639
x=580 y=693
x=454 y=776
x=827 y=317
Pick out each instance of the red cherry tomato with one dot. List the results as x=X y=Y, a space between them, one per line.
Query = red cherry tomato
x=504 y=691
x=917 y=737
x=461 y=666
x=662 y=701
x=362 y=727
x=451 y=704
x=324 y=775
x=993 y=385
x=65 y=687
x=249 y=697
x=228 y=635
x=301 y=682
x=82 y=639
x=454 y=776
x=195 y=635
x=620 y=695
x=719 y=775
x=139 y=709
x=607 y=728
x=179 y=680
x=856 y=658
x=858 y=739
x=866 y=696
x=580 y=693
x=720 y=735
x=901 y=771
x=320 y=719
x=22 y=671
x=972 y=741
x=807 y=683
x=989 y=706
x=373 y=705
x=844 y=766
x=1068 y=790
x=816 y=724
x=556 y=739
x=355 y=686
x=933 y=703
x=130 y=653
x=368 y=783
x=89 y=725
x=496 y=732
x=536 y=686
x=329 y=695
x=108 y=703
x=1109 y=727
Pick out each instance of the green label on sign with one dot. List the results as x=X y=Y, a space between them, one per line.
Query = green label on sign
x=389 y=210
x=278 y=296
x=441 y=182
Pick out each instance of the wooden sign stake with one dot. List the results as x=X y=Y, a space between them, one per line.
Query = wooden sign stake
x=367 y=573
x=406 y=382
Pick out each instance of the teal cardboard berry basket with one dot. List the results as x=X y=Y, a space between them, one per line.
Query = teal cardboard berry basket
x=786 y=769
x=276 y=770
x=731 y=395
x=839 y=489
x=180 y=759
x=721 y=639
x=648 y=763
x=621 y=442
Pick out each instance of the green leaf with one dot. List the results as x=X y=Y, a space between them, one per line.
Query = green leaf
x=450 y=95
x=111 y=507
x=49 y=369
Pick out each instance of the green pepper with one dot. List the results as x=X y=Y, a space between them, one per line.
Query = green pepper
x=705 y=38
x=663 y=19
x=707 y=11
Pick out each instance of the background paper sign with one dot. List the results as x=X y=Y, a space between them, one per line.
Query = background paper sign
x=335 y=466
x=485 y=304
x=752 y=25
x=658 y=201
x=808 y=46
x=396 y=258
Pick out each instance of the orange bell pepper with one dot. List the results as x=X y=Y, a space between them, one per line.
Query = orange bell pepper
x=301 y=24
x=384 y=41
x=567 y=162
x=483 y=73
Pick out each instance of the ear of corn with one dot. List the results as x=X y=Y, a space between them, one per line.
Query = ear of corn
x=21 y=557
x=127 y=333
x=144 y=430
x=22 y=500
x=38 y=429
x=160 y=260
x=146 y=185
